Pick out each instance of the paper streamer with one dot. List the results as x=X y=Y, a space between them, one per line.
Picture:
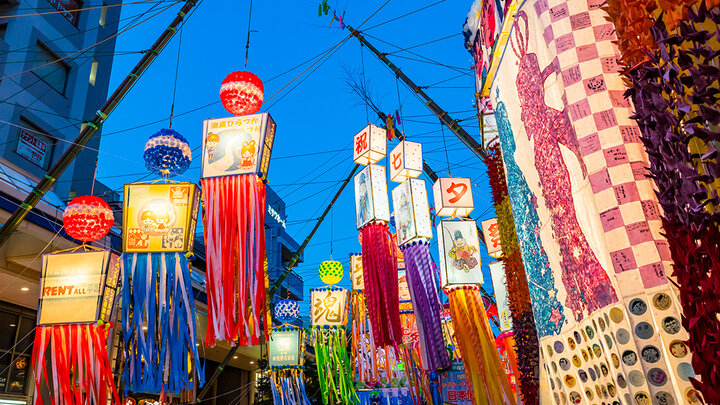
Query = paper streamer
x=234 y=227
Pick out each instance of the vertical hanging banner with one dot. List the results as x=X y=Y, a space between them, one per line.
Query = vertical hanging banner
x=585 y=212
x=236 y=156
x=497 y=272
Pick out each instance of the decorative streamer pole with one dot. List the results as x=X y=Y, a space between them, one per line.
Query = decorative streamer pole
x=236 y=156
x=373 y=214
x=461 y=274
x=286 y=352
x=671 y=61
x=73 y=322
x=159 y=330
x=329 y=314
x=412 y=221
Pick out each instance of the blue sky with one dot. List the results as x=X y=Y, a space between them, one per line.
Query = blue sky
x=317 y=114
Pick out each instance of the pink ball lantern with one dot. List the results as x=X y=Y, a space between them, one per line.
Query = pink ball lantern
x=87 y=218
x=242 y=93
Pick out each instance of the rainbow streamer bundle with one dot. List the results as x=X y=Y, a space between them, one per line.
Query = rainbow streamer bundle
x=236 y=155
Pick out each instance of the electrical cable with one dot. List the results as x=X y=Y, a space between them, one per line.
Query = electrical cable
x=405 y=15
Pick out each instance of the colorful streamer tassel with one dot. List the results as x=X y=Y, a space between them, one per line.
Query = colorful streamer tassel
x=477 y=347
x=288 y=387
x=159 y=325
x=80 y=368
x=381 y=284
x=234 y=226
x=334 y=367
x=426 y=305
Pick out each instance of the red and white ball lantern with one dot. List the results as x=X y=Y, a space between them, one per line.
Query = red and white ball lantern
x=87 y=218
x=242 y=93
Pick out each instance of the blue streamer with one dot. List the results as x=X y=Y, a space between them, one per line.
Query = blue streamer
x=159 y=325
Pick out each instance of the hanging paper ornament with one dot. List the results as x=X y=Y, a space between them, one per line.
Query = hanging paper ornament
x=453 y=197
x=72 y=328
x=331 y=272
x=406 y=161
x=167 y=153
x=287 y=311
x=234 y=167
x=329 y=311
x=370 y=145
x=87 y=218
x=241 y=93
x=159 y=330
x=285 y=355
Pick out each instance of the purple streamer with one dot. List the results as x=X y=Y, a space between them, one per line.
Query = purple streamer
x=418 y=270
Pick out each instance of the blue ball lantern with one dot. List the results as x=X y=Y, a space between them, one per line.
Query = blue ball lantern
x=167 y=153
x=287 y=311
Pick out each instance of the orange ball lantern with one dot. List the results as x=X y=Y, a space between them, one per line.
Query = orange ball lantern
x=87 y=218
x=242 y=93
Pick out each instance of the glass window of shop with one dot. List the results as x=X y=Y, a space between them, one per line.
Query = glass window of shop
x=17 y=333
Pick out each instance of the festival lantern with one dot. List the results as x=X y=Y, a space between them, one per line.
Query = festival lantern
x=358 y=282
x=77 y=297
x=87 y=218
x=412 y=221
x=167 y=153
x=159 y=330
x=241 y=93
x=461 y=278
x=453 y=197
x=491 y=232
x=412 y=212
x=370 y=145
x=379 y=260
x=329 y=312
x=285 y=355
x=406 y=161
x=158 y=319
x=236 y=157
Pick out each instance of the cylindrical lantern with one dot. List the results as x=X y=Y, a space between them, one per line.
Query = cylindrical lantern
x=87 y=218
x=167 y=153
x=242 y=93
x=287 y=311
x=331 y=272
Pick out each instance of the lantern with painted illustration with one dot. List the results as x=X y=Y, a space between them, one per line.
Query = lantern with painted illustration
x=369 y=145
x=406 y=161
x=87 y=218
x=379 y=262
x=453 y=197
x=285 y=357
x=459 y=254
x=159 y=329
x=236 y=156
x=412 y=221
x=241 y=93
x=77 y=297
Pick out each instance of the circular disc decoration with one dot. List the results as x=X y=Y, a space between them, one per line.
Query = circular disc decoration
x=287 y=311
x=87 y=218
x=331 y=272
x=167 y=153
x=242 y=93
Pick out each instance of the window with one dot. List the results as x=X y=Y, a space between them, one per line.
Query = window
x=17 y=332
x=93 y=72
x=33 y=145
x=103 y=14
x=50 y=69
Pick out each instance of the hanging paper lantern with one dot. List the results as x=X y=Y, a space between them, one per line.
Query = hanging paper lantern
x=87 y=218
x=287 y=311
x=167 y=153
x=241 y=93
x=331 y=272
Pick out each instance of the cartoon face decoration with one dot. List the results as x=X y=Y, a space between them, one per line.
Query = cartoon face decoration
x=564 y=364
x=671 y=325
x=678 y=349
x=622 y=383
x=651 y=354
x=664 y=398
x=657 y=377
x=583 y=375
x=643 y=330
x=642 y=398
x=157 y=217
x=629 y=357
x=662 y=301
x=637 y=307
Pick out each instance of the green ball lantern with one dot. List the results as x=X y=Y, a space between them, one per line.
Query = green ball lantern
x=331 y=271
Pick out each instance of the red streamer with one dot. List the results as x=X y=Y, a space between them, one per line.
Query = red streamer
x=234 y=227
x=381 y=284
x=80 y=368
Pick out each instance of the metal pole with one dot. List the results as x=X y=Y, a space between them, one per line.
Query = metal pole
x=92 y=126
x=444 y=117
